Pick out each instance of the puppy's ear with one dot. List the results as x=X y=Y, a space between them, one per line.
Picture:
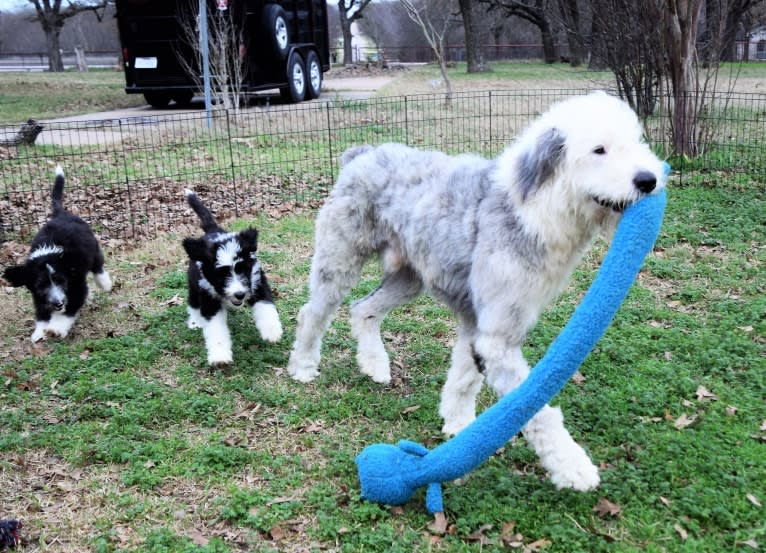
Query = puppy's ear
x=540 y=162
x=17 y=275
x=198 y=249
x=249 y=239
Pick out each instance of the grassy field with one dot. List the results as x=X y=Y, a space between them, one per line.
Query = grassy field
x=48 y=95
x=119 y=438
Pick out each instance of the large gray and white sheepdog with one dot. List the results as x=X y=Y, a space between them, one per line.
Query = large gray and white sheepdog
x=495 y=240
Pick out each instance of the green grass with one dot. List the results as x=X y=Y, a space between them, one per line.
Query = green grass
x=123 y=440
x=48 y=95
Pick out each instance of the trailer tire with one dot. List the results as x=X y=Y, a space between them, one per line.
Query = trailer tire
x=313 y=76
x=295 y=91
x=276 y=31
x=183 y=98
x=157 y=99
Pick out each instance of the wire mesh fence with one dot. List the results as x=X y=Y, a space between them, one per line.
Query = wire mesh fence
x=126 y=176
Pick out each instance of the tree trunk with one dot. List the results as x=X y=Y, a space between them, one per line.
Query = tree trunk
x=682 y=17
x=53 y=45
x=473 y=39
x=345 y=28
x=571 y=16
x=549 y=46
x=597 y=45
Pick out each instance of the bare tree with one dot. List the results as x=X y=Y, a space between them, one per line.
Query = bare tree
x=476 y=36
x=680 y=21
x=52 y=15
x=629 y=42
x=723 y=19
x=389 y=26
x=433 y=18
x=570 y=17
x=226 y=44
x=537 y=12
x=349 y=11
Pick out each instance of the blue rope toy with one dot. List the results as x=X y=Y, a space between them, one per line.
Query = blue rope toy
x=392 y=474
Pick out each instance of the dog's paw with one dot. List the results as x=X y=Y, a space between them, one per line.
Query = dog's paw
x=375 y=364
x=192 y=323
x=103 y=281
x=302 y=370
x=267 y=321
x=51 y=332
x=582 y=477
x=219 y=359
x=455 y=425
x=38 y=335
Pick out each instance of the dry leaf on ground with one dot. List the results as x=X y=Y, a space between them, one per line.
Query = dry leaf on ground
x=605 y=508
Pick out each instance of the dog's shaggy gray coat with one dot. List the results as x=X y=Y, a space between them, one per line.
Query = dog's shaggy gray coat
x=495 y=240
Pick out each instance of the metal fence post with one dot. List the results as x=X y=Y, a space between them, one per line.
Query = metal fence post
x=231 y=162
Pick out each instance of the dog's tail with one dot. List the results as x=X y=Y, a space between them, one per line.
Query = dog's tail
x=353 y=152
x=57 y=194
x=206 y=218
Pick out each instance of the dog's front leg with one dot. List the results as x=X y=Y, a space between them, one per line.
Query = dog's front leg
x=217 y=339
x=265 y=312
x=566 y=461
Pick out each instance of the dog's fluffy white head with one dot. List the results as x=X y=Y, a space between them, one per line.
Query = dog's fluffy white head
x=589 y=149
x=228 y=263
x=48 y=274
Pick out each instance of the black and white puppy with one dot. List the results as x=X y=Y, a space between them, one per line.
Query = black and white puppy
x=224 y=273
x=62 y=253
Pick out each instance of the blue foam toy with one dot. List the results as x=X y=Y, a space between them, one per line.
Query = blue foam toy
x=392 y=474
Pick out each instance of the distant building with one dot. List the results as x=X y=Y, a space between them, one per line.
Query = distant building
x=753 y=47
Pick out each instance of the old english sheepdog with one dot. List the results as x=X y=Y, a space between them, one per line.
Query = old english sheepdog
x=224 y=273
x=495 y=240
x=63 y=251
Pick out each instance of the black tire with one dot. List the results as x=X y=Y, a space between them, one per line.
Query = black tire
x=157 y=99
x=313 y=76
x=275 y=30
x=183 y=98
x=295 y=91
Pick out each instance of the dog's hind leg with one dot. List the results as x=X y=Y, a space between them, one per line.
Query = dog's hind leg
x=566 y=461
x=397 y=288
x=100 y=276
x=464 y=380
x=335 y=270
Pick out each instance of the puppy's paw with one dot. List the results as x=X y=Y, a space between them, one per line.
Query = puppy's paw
x=103 y=281
x=38 y=335
x=267 y=321
x=51 y=332
x=219 y=359
x=192 y=323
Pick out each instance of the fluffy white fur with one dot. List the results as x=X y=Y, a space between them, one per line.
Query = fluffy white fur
x=496 y=240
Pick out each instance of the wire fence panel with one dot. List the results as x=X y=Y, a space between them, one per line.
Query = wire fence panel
x=126 y=176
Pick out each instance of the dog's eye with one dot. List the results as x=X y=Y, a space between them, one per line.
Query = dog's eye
x=600 y=150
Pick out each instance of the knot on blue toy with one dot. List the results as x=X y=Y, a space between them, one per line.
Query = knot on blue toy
x=386 y=474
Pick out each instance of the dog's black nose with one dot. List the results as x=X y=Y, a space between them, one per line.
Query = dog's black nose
x=645 y=181
x=58 y=306
x=239 y=296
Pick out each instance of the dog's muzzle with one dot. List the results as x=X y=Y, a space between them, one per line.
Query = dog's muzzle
x=237 y=299
x=644 y=182
x=618 y=207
